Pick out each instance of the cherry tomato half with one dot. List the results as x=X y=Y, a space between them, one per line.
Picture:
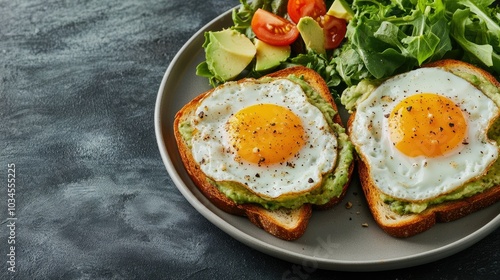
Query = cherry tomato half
x=335 y=29
x=273 y=29
x=301 y=8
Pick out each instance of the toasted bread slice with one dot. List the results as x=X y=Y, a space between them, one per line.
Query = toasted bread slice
x=287 y=224
x=411 y=224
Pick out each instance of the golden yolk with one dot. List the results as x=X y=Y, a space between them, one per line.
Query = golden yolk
x=427 y=125
x=266 y=134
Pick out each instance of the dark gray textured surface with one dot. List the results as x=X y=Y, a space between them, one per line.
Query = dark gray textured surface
x=78 y=85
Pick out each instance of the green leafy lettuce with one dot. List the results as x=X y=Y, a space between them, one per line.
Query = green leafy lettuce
x=475 y=27
x=387 y=37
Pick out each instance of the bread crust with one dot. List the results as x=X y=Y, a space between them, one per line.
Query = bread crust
x=451 y=64
x=259 y=216
x=272 y=224
x=403 y=226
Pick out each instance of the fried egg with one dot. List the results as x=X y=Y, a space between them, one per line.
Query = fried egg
x=424 y=134
x=265 y=135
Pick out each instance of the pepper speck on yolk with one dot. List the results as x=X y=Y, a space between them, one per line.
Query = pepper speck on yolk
x=266 y=134
x=427 y=124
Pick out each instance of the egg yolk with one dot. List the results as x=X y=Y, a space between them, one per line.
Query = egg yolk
x=427 y=124
x=266 y=134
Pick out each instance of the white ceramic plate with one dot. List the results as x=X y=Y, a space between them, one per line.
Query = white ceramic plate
x=335 y=239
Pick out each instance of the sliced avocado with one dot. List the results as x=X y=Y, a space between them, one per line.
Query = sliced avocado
x=312 y=34
x=269 y=56
x=228 y=53
x=341 y=9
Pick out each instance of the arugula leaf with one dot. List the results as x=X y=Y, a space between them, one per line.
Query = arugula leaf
x=422 y=42
x=350 y=66
x=482 y=52
x=445 y=45
x=479 y=8
x=475 y=27
x=242 y=17
x=380 y=58
x=322 y=66
x=395 y=36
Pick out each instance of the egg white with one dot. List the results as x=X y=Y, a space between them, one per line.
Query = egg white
x=421 y=178
x=211 y=142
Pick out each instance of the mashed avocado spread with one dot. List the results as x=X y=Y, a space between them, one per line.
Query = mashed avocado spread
x=352 y=96
x=332 y=183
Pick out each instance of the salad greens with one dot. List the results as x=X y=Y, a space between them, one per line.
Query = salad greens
x=387 y=37
x=390 y=37
x=476 y=29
